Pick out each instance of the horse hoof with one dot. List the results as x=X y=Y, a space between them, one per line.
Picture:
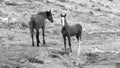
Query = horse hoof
x=44 y=42
x=70 y=54
x=43 y=45
x=37 y=45
x=33 y=45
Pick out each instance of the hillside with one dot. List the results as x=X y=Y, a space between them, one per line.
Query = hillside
x=100 y=20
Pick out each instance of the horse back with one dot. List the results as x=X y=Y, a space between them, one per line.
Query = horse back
x=38 y=20
x=79 y=27
x=75 y=29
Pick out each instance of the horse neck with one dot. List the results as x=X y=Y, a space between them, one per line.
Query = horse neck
x=66 y=24
x=43 y=14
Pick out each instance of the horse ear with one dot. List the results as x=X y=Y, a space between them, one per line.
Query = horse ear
x=65 y=15
x=61 y=15
x=49 y=10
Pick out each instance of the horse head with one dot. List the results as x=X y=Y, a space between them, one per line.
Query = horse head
x=49 y=16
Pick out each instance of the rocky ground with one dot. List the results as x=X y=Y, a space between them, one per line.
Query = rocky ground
x=101 y=29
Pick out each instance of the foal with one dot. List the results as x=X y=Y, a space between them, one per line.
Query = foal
x=38 y=21
x=70 y=30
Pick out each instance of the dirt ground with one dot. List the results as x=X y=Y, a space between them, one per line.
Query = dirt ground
x=101 y=29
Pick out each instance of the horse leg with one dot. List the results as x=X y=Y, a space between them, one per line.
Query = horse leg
x=43 y=33
x=79 y=47
x=80 y=34
x=31 y=31
x=37 y=37
x=79 y=37
x=69 y=42
x=64 y=38
x=32 y=40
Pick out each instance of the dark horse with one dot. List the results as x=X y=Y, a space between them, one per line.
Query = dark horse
x=70 y=30
x=38 y=21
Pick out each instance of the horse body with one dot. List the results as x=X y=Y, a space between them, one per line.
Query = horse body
x=74 y=29
x=38 y=21
x=70 y=30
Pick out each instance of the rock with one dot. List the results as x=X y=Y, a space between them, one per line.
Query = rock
x=117 y=65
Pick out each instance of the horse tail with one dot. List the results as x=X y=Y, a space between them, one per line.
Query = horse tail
x=31 y=25
x=31 y=28
x=79 y=27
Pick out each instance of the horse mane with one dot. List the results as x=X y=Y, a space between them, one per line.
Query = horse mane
x=32 y=17
x=40 y=13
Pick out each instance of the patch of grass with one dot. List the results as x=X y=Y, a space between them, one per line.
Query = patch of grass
x=28 y=0
x=117 y=65
x=58 y=52
x=35 y=60
x=91 y=1
x=62 y=0
x=1 y=1
x=110 y=0
x=48 y=2
x=62 y=6
x=94 y=22
x=23 y=25
x=91 y=57
x=54 y=56
x=83 y=5
x=3 y=15
x=11 y=3
x=5 y=66
x=65 y=64
x=11 y=38
x=107 y=6
x=98 y=9
x=91 y=12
